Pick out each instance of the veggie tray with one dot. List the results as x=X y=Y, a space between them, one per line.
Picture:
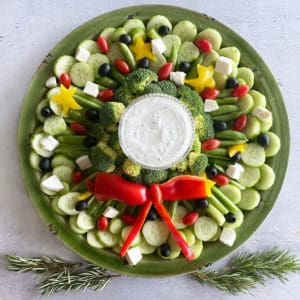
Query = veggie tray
x=150 y=141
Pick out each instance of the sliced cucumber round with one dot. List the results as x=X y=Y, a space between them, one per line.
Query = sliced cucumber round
x=34 y=160
x=74 y=227
x=155 y=232
x=132 y=24
x=254 y=155
x=220 y=80
x=250 y=199
x=36 y=146
x=52 y=92
x=116 y=225
x=213 y=36
x=267 y=178
x=274 y=144
x=45 y=190
x=178 y=217
x=245 y=104
x=190 y=237
x=107 y=33
x=146 y=248
x=93 y=241
x=55 y=208
x=80 y=73
x=197 y=248
x=252 y=128
x=259 y=98
x=56 y=108
x=186 y=30
x=250 y=176
x=173 y=244
x=97 y=59
x=173 y=254
x=160 y=60
x=85 y=221
x=157 y=21
x=124 y=235
x=232 y=192
x=64 y=173
x=247 y=74
x=114 y=53
x=90 y=46
x=55 y=125
x=210 y=58
x=188 y=52
x=61 y=160
x=216 y=236
x=136 y=33
x=266 y=124
x=40 y=106
x=107 y=239
x=231 y=52
x=117 y=34
x=170 y=41
x=67 y=203
x=63 y=65
x=238 y=221
x=205 y=228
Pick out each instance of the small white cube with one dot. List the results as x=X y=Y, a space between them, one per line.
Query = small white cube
x=84 y=162
x=158 y=46
x=261 y=113
x=224 y=65
x=228 y=236
x=234 y=171
x=110 y=212
x=210 y=105
x=51 y=82
x=134 y=255
x=91 y=89
x=52 y=183
x=49 y=143
x=178 y=77
x=82 y=54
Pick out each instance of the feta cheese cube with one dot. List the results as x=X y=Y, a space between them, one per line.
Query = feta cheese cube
x=210 y=105
x=110 y=212
x=158 y=46
x=82 y=54
x=51 y=82
x=91 y=89
x=227 y=236
x=178 y=77
x=134 y=255
x=52 y=183
x=49 y=143
x=234 y=171
x=261 y=113
x=83 y=162
x=224 y=65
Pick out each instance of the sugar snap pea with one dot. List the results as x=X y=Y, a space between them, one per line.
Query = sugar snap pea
x=231 y=135
x=224 y=109
x=107 y=82
x=227 y=143
x=218 y=153
x=87 y=102
x=225 y=101
x=173 y=55
x=117 y=75
x=227 y=117
x=225 y=93
x=127 y=55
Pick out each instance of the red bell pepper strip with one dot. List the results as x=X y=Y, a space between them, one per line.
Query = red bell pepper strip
x=137 y=226
x=185 y=187
x=110 y=186
x=155 y=195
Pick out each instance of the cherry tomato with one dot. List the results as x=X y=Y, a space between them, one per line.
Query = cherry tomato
x=190 y=218
x=221 y=179
x=240 y=91
x=78 y=128
x=122 y=66
x=204 y=45
x=127 y=218
x=240 y=123
x=210 y=93
x=210 y=144
x=102 y=223
x=90 y=185
x=102 y=44
x=165 y=70
x=77 y=177
x=65 y=80
x=106 y=95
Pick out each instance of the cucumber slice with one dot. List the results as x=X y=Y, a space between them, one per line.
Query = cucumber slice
x=55 y=208
x=160 y=60
x=216 y=236
x=170 y=41
x=59 y=160
x=155 y=232
x=90 y=46
x=116 y=225
x=55 y=125
x=215 y=214
x=45 y=190
x=220 y=80
x=186 y=30
x=114 y=53
x=274 y=144
x=250 y=176
x=34 y=160
x=254 y=155
x=107 y=33
x=246 y=74
x=97 y=59
x=116 y=249
x=210 y=58
x=107 y=239
x=36 y=146
x=241 y=81
x=190 y=237
x=232 y=192
x=250 y=199
x=124 y=235
x=137 y=32
x=173 y=254
x=131 y=24
x=42 y=104
x=56 y=108
x=234 y=70
x=80 y=73
x=66 y=188
x=197 y=248
x=52 y=92
x=157 y=21
x=93 y=241
x=173 y=244
x=63 y=65
x=245 y=104
x=258 y=98
x=266 y=124
x=85 y=221
x=178 y=217
x=67 y=203
x=145 y=248
x=213 y=36
x=188 y=52
x=231 y=52
x=267 y=178
x=252 y=128
x=74 y=227
x=117 y=34
x=64 y=173
x=238 y=221
x=205 y=228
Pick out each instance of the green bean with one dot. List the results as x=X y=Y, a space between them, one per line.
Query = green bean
x=221 y=162
x=225 y=93
x=224 y=109
x=70 y=152
x=217 y=204
x=107 y=82
x=127 y=55
x=188 y=205
x=224 y=199
x=227 y=143
x=93 y=206
x=227 y=117
x=72 y=140
x=225 y=101
x=231 y=135
x=117 y=75
x=193 y=70
x=219 y=152
x=215 y=214
x=172 y=208
x=173 y=55
x=87 y=102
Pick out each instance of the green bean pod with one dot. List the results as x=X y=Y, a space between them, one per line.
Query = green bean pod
x=217 y=204
x=218 y=153
x=217 y=161
x=93 y=206
x=224 y=109
x=173 y=56
x=231 y=135
x=107 y=82
x=227 y=143
x=127 y=55
x=225 y=101
x=172 y=208
x=227 y=117
x=225 y=93
x=87 y=102
x=214 y=213
x=117 y=75
x=72 y=140
x=224 y=199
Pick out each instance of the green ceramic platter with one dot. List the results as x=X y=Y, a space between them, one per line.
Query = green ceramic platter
x=151 y=265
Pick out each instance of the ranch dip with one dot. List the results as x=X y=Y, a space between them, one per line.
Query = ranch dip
x=156 y=131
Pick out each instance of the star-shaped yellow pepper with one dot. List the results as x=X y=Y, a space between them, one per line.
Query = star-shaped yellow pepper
x=235 y=149
x=141 y=49
x=204 y=80
x=208 y=185
x=65 y=99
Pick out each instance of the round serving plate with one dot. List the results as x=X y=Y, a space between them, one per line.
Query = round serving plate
x=152 y=265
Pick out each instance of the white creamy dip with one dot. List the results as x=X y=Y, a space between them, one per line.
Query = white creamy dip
x=156 y=131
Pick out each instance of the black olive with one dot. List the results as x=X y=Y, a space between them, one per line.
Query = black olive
x=90 y=141
x=144 y=63
x=45 y=164
x=46 y=112
x=126 y=39
x=263 y=139
x=152 y=215
x=184 y=66
x=231 y=83
x=163 y=30
x=104 y=69
x=201 y=203
x=165 y=250
x=230 y=217
x=220 y=125
x=211 y=171
x=81 y=205
x=92 y=114
x=236 y=157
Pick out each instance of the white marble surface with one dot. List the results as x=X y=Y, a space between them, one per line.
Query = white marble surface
x=28 y=29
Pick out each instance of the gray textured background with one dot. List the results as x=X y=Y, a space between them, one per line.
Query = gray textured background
x=28 y=29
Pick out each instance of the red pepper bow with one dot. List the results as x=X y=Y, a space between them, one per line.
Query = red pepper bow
x=110 y=186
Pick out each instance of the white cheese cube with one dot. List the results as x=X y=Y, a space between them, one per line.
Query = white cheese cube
x=110 y=212
x=134 y=255
x=234 y=171
x=82 y=54
x=224 y=65
x=261 y=113
x=52 y=183
x=178 y=77
x=227 y=236
x=83 y=162
x=239 y=166
x=91 y=89
x=51 y=82
x=210 y=105
x=158 y=46
x=49 y=143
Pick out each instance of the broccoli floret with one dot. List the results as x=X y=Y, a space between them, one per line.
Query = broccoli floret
x=103 y=158
x=196 y=144
x=123 y=95
x=130 y=168
x=168 y=87
x=154 y=176
x=197 y=163
x=111 y=113
x=113 y=141
x=139 y=79
x=204 y=126
x=120 y=158
x=181 y=166
x=98 y=131
x=135 y=179
x=152 y=88
x=173 y=173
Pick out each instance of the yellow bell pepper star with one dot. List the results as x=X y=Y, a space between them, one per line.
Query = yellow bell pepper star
x=204 y=80
x=208 y=185
x=142 y=49
x=65 y=99
x=235 y=149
